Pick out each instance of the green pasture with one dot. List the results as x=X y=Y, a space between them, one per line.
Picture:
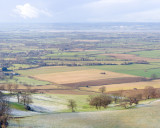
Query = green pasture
x=81 y=102
x=150 y=54
x=17 y=106
x=30 y=81
x=144 y=70
x=24 y=80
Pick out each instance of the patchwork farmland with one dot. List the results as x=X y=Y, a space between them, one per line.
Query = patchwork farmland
x=113 y=76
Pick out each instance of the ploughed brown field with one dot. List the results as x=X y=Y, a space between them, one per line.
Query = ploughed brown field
x=105 y=82
x=130 y=57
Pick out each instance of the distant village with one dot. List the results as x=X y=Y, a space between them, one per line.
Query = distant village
x=5 y=72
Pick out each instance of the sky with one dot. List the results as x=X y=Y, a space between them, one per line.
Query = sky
x=79 y=11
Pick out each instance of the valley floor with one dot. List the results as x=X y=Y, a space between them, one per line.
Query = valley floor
x=144 y=116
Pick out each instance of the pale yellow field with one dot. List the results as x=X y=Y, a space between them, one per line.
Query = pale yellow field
x=124 y=86
x=78 y=76
x=49 y=69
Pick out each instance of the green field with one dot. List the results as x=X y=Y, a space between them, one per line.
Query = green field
x=82 y=103
x=17 y=106
x=31 y=81
x=25 y=80
x=144 y=70
x=150 y=54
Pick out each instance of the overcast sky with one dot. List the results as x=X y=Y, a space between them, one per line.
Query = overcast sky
x=79 y=11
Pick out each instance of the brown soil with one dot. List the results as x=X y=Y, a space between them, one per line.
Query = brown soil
x=130 y=57
x=105 y=82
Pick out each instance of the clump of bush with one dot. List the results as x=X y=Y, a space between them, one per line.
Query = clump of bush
x=125 y=99
x=99 y=101
x=134 y=96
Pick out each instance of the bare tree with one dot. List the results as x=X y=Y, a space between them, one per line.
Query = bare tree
x=72 y=105
x=102 y=89
x=26 y=98
x=125 y=103
x=15 y=86
x=116 y=97
x=29 y=89
x=134 y=97
x=100 y=101
x=18 y=93
x=121 y=94
x=23 y=98
x=2 y=87
x=105 y=100
x=149 y=92
x=4 y=111
x=9 y=87
x=157 y=93
x=94 y=101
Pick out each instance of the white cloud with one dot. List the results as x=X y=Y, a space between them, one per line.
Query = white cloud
x=84 y=10
x=28 y=11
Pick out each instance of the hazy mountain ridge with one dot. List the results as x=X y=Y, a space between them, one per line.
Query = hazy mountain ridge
x=91 y=27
